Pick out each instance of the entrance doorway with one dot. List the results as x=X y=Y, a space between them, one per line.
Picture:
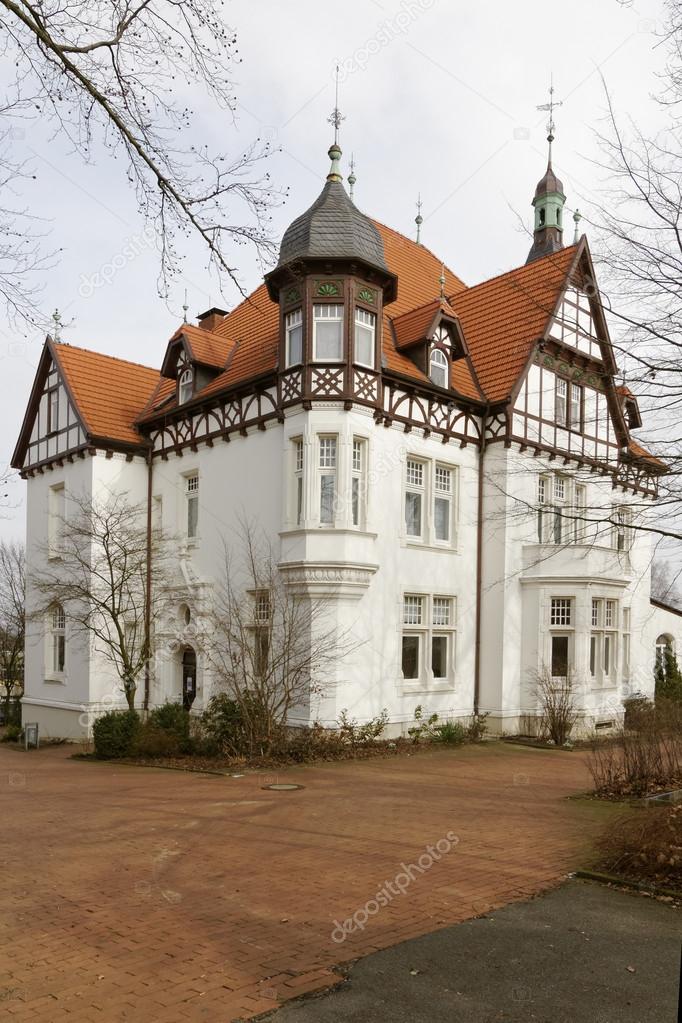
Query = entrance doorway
x=189 y=677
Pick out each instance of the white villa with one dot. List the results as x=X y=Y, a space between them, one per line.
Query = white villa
x=453 y=466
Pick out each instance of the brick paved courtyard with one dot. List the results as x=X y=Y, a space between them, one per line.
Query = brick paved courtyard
x=131 y=894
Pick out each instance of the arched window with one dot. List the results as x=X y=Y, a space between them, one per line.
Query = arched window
x=185 y=386
x=438 y=368
x=542 y=218
x=664 y=644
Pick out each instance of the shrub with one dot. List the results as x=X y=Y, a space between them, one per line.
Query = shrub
x=172 y=718
x=423 y=728
x=223 y=726
x=668 y=677
x=642 y=759
x=477 y=727
x=645 y=845
x=451 y=732
x=12 y=733
x=115 y=732
x=353 y=734
x=638 y=713
x=557 y=706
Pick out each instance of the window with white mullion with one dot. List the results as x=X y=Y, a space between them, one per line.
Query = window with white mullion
x=358 y=481
x=58 y=637
x=415 y=492
x=192 y=503
x=298 y=480
x=428 y=631
x=185 y=386
x=327 y=333
x=443 y=503
x=327 y=465
x=365 y=330
x=442 y=637
x=604 y=639
x=413 y=637
x=293 y=337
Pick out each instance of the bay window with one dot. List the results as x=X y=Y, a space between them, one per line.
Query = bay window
x=298 y=481
x=327 y=333
x=358 y=481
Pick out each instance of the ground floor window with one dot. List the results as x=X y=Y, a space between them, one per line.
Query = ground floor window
x=428 y=638
x=58 y=640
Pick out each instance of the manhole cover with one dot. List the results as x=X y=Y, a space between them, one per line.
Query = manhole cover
x=282 y=787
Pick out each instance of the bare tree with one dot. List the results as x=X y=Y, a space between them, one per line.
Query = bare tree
x=12 y=620
x=96 y=571
x=555 y=698
x=665 y=583
x=115 y=72
x=272 y=645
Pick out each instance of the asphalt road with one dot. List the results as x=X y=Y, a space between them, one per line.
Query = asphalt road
x=580 y=954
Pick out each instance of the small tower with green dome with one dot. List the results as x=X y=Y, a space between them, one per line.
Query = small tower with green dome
x=548 y=202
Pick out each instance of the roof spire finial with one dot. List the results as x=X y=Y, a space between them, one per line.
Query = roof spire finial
x=351 y=177
x=57 y=325
x=185 y=309
x=549 y=107
x=419 y=220
x=335 y=119
x=577 y=217
x=441 y=280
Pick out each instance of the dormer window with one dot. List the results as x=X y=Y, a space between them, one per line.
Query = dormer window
x=185 y=386
x=365 y=328
x=327 y=333
x=438 y=368
x=293 y=330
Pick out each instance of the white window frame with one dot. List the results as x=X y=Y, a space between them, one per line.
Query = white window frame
x=603 y=650
x=298 y=503
x=621 y=537
x=191 y=485
x=444 y=496
x=358 y=483
x=561 y=401
x=322 y=312
x=57 y=645
x=429 y=492
x=293 y=321
x=56 y=519
x=416 y=480
x=185 y=385
x=422 y=618
x=439 y=366
x=365 y=325
x=327 y=469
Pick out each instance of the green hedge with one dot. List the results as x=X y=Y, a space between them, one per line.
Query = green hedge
x=115 y=733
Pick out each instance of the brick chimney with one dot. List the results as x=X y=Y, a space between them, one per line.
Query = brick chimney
x=211 y=318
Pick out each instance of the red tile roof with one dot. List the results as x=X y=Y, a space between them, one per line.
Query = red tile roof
x=503 y=317
x=108 y=392
x=205 y=346
x=414 y=325
x=637 y=451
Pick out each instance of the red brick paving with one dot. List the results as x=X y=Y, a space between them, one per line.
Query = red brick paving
x=139 y=895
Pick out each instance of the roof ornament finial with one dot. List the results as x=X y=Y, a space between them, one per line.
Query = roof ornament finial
x=57 y=325
x=441 y=281
x=334 y=152
x=185 y=309
x=351 y=177
x=549 y=107
x=577 y=217
x=419 y=220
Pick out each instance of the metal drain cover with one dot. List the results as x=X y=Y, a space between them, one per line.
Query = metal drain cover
x=283 y=786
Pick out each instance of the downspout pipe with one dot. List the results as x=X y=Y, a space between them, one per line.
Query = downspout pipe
x=479 y=564
x=148 y=586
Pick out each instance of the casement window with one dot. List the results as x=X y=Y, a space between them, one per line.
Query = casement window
x=358 y=481
x=192 y=503
x=438 y=368
x=56 y=516
x=365 y=330
x=298 y=480
x=604 y=639
x=327 y=479
x=53 y=410
x=58 y=639
x=415 y=492
x=568 y=404
x=543 y=507
x=561 y=638
x=625 y=643
x=561 y=401
x=559 y=497
x=428 y=638
x=621 y=534
x=430 y=502
x=579 y=512
x=185 y=386
x=442 y=503
x=575 y=412
x=328 y=333
x=262 y=615
x=293 y=337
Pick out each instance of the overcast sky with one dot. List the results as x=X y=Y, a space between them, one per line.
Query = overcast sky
x=438 y=98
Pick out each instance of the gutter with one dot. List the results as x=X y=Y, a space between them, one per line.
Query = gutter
x=148 y=584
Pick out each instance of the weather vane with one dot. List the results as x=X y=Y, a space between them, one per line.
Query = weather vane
x=351 y=177
x=419 y=220
x=549 y=107
x=336 y=116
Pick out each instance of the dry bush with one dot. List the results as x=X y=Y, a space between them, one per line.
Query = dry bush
x=644 y=757
x=645 y=845
x=556 y=703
